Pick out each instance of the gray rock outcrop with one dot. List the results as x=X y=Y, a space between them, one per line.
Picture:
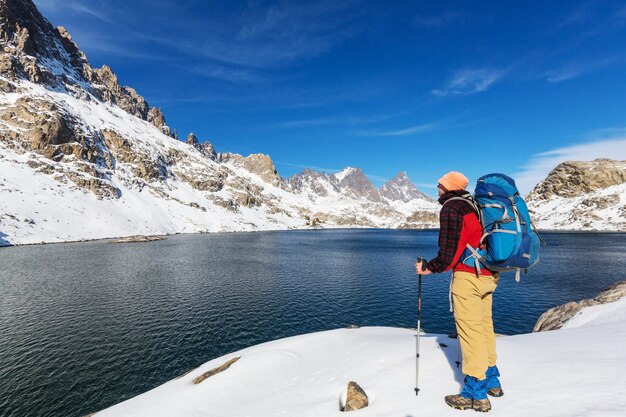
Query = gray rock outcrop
x=556 y=317
x=575 y=178
x=205 y=148
x=355 y=182
x=259 y=164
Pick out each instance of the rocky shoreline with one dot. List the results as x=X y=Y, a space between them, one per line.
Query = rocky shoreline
x=138 y=239
x=556 y=317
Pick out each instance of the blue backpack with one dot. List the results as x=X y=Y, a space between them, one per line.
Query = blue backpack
x=509 y=241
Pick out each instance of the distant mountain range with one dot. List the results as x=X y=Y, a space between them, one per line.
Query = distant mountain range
x=83 y=157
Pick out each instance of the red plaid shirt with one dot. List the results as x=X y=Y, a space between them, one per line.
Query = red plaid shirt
x=458 y=226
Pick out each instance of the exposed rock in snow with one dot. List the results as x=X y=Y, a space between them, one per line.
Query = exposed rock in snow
x=557 y=317
x=575 y=178
x=581 y=196
x=354 y=182
x=205 y=148
x=138 y=239
x=355 y=399
x=259 y=164
x=215 y=371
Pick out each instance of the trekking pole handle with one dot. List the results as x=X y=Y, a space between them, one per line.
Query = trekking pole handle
x=423 y=261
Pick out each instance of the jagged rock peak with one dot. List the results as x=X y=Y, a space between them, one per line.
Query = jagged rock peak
x=353 y=180
x=315 y=182
x=401 y=188
x=192 y=139
x=575 y=178
x=32 y=49
x=205 y=148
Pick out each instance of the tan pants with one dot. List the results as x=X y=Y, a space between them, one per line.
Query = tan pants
x=472 y=297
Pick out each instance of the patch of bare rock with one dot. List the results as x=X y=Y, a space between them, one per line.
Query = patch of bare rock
x=136 y=239
x=556 y=317
x=214 y=371
x=356 y=398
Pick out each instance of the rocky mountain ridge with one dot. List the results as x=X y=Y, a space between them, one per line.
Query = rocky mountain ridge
x=34 y=50
x=84 y=157
x=91 y=157
x=581 y=195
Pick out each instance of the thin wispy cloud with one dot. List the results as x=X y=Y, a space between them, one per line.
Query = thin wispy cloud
x=348 y=120
x=377 y=179
x=425 y=185
x=308 y=122
x=76 y=7
x=470 y=81
x=303 y=166
x=111 y=46
x=444 y=124
x=542 y=163
x=581 y=14
x=573 y=70
x=271 y=37
x=231 y=46
x=408 y=131
x=226 y=73
x=593 y=18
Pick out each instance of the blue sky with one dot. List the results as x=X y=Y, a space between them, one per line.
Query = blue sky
x=415 y=86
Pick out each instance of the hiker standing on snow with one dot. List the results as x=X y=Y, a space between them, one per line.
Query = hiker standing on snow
x=471 y=292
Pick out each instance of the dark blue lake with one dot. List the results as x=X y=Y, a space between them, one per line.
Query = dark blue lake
x=86 y=325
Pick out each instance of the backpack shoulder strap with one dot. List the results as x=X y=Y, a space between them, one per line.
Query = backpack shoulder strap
x=469 y=200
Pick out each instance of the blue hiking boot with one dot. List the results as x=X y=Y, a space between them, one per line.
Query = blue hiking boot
x=494 y=387
x=472 y=397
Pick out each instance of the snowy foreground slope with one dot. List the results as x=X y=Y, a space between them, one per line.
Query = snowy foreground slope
x=574 y=371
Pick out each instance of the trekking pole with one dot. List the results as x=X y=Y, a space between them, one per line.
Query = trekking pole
x=419 y=321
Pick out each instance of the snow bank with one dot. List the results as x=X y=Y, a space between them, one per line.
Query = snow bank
x=576 y=371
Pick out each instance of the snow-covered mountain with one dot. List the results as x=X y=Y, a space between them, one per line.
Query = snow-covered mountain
x=581 y=196
x=84 y=157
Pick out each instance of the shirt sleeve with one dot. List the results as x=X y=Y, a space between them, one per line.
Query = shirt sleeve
x=450 y=227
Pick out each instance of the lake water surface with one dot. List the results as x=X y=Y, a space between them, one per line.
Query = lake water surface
x=86 y=325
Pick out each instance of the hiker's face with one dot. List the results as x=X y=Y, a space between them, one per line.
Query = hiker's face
x=440 y=191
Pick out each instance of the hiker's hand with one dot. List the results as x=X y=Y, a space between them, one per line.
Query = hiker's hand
x=421 y=269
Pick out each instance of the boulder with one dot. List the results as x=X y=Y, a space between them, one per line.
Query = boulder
x=356 y=398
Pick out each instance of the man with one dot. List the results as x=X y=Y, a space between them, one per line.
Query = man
x=472 y=291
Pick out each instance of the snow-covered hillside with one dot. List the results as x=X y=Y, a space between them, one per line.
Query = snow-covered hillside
x=581 y=196
x=84 y=157
x=575 y=371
